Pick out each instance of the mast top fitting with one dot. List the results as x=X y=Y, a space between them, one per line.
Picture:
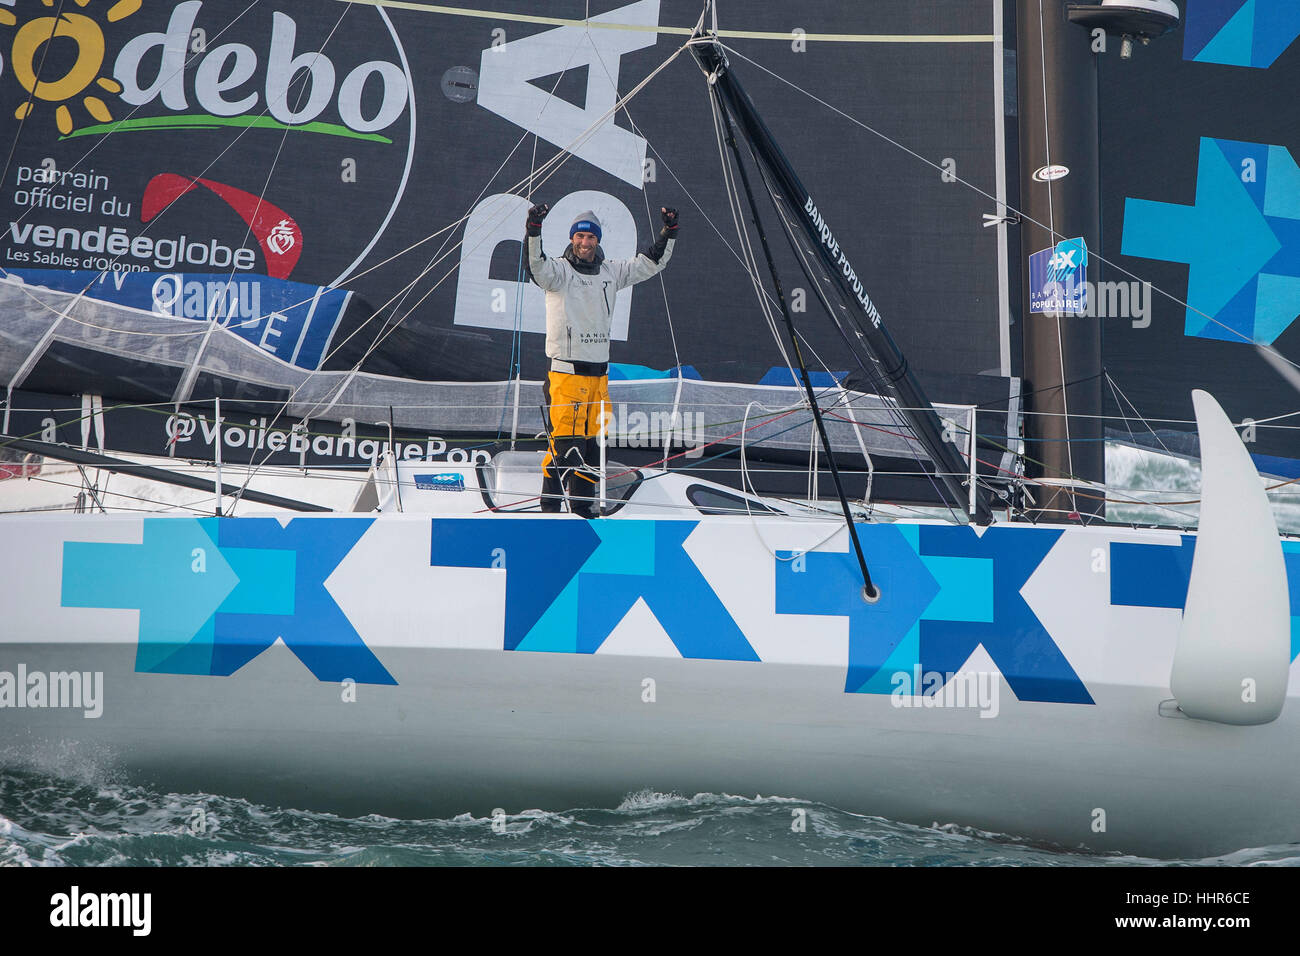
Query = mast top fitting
x=1128 y=19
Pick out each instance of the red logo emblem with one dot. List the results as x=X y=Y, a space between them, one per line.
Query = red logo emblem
x=276 y=232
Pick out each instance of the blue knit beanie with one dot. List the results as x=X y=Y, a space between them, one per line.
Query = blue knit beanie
x=586 y=222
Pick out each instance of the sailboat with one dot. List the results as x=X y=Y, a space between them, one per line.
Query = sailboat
x=411 y=636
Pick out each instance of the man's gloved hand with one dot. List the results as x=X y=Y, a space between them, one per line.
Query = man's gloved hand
x=670 y=221
x=535 y=217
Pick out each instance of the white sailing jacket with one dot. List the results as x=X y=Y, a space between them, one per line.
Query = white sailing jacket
x=580 y=304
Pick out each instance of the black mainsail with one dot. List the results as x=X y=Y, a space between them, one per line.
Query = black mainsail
x=336 y=236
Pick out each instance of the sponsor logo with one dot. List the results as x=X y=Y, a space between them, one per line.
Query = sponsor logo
x=451 y=481
x=68 y=31
x=185 y=72
x=283 y=237
x=1050 y=174
x=257 y=434
x=276 y=232
x=1239 y=241
x=842 y=261
x=158 y=252
x=229 y=590
x=1056 y=279
x=169 y=68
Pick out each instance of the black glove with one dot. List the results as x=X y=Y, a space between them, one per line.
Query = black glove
x=670 y=221
x=535 y=217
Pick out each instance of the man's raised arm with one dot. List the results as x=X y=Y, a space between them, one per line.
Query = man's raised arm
x=655 y=259
x=545 y=272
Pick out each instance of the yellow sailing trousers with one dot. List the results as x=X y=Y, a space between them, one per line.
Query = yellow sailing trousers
x=573 y=402
x=573 y=406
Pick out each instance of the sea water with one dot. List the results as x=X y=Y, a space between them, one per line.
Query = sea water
x=1147 y=487
x=49 y=820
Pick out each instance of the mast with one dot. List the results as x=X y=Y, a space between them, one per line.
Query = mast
x=1064 y=434
x=1057 y=64
x=869 y=328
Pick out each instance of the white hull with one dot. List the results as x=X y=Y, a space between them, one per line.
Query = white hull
x=470 y=725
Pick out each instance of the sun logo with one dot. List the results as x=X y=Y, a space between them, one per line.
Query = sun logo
x=29 y=50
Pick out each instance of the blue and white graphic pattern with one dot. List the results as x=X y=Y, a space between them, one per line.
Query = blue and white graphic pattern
x=1251 y=33
x=215 y=593
x=1241 y=241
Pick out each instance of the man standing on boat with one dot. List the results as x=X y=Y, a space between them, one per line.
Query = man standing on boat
x=580 y=288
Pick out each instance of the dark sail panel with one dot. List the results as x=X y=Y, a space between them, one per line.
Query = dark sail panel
x=1200 y=184
x=364 y=173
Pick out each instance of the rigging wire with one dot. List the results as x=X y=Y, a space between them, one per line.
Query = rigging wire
x=896 y=375
x=878 y=381
x=555 y=163
x=26 y=108
x=1120 y=399
x=969 y=185
x=117 y=124
x=663 y=285
x=870 y=592
x=875 y=380
x=766 y=301
x=186 y=384
x=670 y=324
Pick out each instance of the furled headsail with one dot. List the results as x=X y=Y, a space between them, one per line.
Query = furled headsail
x=831 y=271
